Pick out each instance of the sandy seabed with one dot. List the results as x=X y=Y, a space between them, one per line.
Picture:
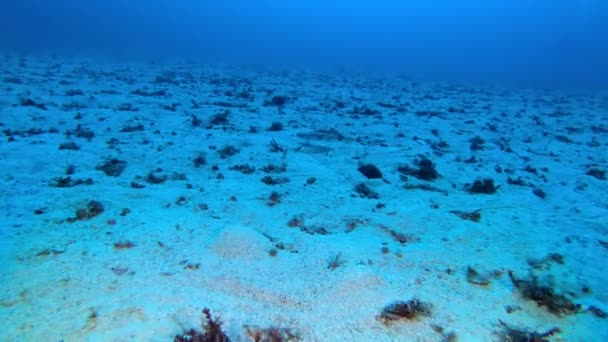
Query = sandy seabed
x=135 y=195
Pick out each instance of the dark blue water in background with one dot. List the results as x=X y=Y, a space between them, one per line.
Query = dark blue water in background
x=561 y=43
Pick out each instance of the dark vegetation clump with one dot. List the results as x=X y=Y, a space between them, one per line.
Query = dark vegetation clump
x=195 y=121
x=295 y=222
x=219 y=119
x=278 y=101
x=518 y=181
x=513 y=334
x=124 y=245
x=425 y=169
x=485 y=186
x=212 y=331
x=544 y=296
x=315 y=230
x=404 y=310
x=275 y=147
x=365 y=110
x=228 y=151
x=68 y=182
x=81 y=132
x=271 y=168
x=13 y=80
x=172 y=107
x=364 y=191
x=74 y=92
x=69 y=146
x=275 y=127
x=243 y=168
x=268 y=180
x=32 y=103
x=335 y=262
x=112 y=167
x=545 y=262
x=70 y=170
x=93 y=208
x=127 y=107
x=474 y=215
x=199 y=160
x=272 y=334
x=370 y=171
x=157 y=93
x=152 y=178
x=400 y=237
x=132 y=128
x=476 y=143
x=273 y=199
x=563 y=138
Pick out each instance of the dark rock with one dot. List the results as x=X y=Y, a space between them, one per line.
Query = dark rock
x=597 y=173
x=275 y=127
x=597 y=312
x=540 y=193
x=278 y=101
x=370 y=171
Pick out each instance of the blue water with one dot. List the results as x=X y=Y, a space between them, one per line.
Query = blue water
x=562 y=42
x=303 y=170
